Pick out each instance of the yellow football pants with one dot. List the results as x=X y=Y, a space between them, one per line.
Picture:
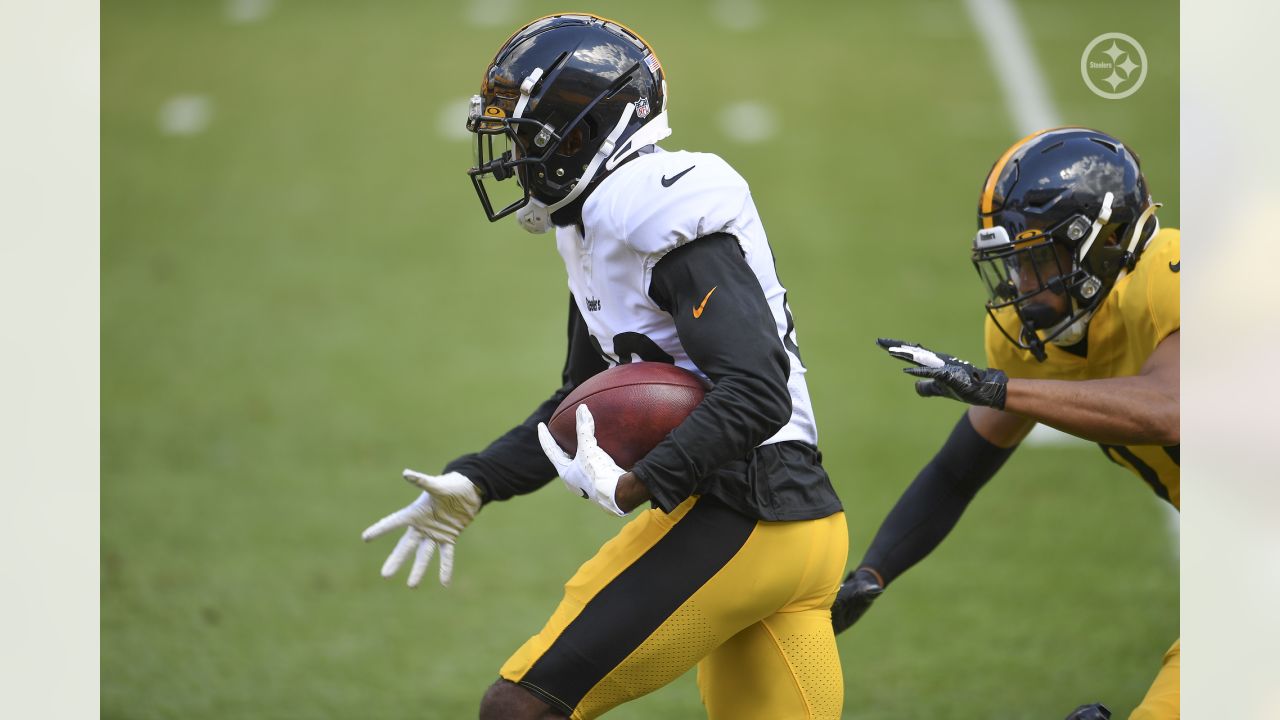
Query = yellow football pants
x=747 y=601
x=1163 y=701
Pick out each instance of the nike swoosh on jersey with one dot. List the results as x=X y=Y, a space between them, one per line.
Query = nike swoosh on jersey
x=1176 y=266
x=697 y=312
x=669 y=181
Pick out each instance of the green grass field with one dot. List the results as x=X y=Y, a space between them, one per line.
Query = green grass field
x=305 y=297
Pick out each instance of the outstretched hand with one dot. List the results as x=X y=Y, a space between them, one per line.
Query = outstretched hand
x=948 y=376
x=447 y=505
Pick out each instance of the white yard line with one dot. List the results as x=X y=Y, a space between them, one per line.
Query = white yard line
x=451 y=119
x=740 y=15
x=493 y=13
x=749 y=121
x=1045 y=436
x=185 y=115
x=248 y=11
x=1025 y=89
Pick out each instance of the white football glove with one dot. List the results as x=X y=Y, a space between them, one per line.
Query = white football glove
x=447 y=505
x=591 y=473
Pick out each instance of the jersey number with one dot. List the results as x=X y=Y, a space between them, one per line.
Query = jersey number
x=628 y=344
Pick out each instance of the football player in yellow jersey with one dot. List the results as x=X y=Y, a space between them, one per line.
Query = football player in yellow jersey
x=1081 y=335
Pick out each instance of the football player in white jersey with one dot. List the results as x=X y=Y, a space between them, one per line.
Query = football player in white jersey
x=735 y=566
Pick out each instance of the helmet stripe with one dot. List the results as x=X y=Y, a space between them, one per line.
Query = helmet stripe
x=985 y=202
x=989 y=189
x=634 y=34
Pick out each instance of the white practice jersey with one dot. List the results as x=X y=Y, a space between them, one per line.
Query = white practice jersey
x=644 y=210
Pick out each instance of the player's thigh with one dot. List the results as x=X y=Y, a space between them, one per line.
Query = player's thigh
x=635 y=616
x=785 y=667
x=667 y=591
x=1162 y=701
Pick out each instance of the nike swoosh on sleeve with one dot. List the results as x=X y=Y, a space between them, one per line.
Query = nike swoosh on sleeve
x=669 y=181
x=697 y=312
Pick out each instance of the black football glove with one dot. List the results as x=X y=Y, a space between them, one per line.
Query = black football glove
x=950 y=377
x=1096 y=711
x=860 y=589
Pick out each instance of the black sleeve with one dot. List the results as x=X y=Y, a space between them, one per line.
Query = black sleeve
x=514 y=464
x=934 y=501
x=725 y=325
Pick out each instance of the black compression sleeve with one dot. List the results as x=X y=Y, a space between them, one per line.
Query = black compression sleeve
x=725 y=325
x=933 y=503
x=514 y=464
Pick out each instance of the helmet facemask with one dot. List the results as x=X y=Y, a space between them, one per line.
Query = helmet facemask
x=1062 y=261
x=508 y=146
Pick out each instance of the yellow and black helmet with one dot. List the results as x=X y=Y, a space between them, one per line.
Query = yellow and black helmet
x=1065 y=210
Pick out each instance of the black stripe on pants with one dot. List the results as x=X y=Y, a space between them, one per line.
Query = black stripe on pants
x=631 y=607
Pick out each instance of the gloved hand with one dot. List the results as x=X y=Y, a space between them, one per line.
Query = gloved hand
x=860 y=589
x=947 y=376
x=1096 y=711
x=591 y=473
x=447 y=505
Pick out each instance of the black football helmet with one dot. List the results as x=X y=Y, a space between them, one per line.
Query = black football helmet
x=566 y=100
x=1065 y=210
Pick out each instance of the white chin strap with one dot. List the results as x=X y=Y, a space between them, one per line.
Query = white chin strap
x=1104 y=215
x=1076 y=329
x=651 y=133
x=535 y=217
x=526 y=89
x=1071 y=331
x=1135 y=236
x=602 y=153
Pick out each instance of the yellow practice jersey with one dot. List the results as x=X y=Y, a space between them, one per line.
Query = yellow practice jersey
x=1139 y=312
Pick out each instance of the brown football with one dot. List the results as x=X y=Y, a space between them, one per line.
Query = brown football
x=634 y=405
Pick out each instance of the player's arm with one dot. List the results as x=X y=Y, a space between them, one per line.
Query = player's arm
x=1000 y=428
x=931 y=506
x=977 y=447
x=1141 y=409
x=515 y=464
x=725 y=324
